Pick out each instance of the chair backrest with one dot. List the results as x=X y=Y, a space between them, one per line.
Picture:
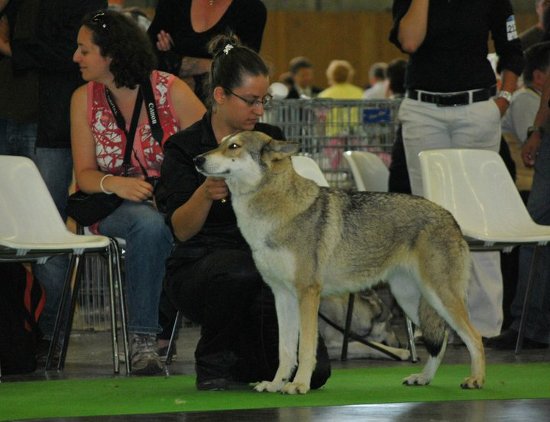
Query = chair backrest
x=369 y=171
x=308 y=168
x=28 y=212
x=476 y=187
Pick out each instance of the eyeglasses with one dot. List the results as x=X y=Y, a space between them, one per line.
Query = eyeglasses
x=265 y=101
x=99 y=20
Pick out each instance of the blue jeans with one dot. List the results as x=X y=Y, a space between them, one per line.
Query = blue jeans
x=56 y=167
x=17 y=138
x=538 y=205
x=148 y=245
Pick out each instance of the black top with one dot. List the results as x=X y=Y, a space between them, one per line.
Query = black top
x=180 y=179
x=245 y=18
x=49 y=48
x=453 y=56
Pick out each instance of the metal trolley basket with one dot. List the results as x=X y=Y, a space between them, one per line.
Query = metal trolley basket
x=326 y=128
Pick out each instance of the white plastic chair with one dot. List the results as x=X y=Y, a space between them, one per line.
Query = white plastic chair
x=369 y=171
x=31 y=230
x=308 y=168
x=476 y=187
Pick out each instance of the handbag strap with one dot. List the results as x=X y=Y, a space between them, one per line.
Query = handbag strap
x=121 y=123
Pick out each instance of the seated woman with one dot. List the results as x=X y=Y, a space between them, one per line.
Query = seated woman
x=116 y=58
x=211 y=276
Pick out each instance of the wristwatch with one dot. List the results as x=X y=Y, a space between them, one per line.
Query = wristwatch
x=507 y=95
x=533 y=129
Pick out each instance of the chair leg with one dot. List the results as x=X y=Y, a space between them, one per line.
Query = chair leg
x=111 y=263
x=525 y=309
x=171 y=343
x=122 y=305
x=410 y=337
x=347 y=328
x=62 y=310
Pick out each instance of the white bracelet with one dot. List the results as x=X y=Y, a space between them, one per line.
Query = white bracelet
x=101 y=184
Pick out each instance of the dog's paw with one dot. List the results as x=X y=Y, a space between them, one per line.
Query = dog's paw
x=295 y=388
x=471 y=383
x=269 y=386
x=416 y=379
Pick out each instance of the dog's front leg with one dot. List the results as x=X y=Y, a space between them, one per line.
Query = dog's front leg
x=309 y=299
x=288 y=317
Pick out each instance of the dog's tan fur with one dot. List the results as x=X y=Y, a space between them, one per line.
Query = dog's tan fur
x=309 y=241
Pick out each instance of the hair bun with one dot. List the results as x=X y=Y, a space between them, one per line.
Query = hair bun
x=223 y=43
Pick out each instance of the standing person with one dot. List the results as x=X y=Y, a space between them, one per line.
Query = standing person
x=211 y=276
x=18 y=89
x=117 y=59
x=449 y=102
x=535 y=152
x=181 y=30
x=46 y=47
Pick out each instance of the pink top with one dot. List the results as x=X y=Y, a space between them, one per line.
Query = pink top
x=110 y=140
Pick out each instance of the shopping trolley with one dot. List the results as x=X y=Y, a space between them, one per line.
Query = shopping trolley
x=326 y=128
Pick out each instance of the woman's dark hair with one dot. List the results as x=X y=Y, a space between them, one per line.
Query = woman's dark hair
x=120 y=38
x=231 y=62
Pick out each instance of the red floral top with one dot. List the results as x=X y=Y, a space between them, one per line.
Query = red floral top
x=110 y=140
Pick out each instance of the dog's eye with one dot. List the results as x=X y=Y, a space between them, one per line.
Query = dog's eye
x=234 y=146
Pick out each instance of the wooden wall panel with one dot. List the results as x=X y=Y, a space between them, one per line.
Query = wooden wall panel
x=359 y=37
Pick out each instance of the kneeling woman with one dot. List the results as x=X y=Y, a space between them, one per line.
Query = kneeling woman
x=107 y=116
x=211 y=276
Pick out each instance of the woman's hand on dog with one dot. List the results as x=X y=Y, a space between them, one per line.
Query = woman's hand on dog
x=215 y=188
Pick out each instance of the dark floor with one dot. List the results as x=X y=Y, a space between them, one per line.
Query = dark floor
x=89 y=356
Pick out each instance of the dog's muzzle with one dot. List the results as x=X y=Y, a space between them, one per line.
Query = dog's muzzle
x=199 y=161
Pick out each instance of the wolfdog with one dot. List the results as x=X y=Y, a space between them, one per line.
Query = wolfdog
x=308 y=241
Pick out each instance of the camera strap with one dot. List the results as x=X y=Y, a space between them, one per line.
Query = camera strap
x=121 y=123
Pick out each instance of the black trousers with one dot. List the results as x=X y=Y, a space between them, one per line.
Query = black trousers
x=225 y=294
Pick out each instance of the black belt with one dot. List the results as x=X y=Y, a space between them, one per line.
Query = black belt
x=454 y=99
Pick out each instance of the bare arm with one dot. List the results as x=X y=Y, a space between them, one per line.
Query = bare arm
x=5 y=48
x=188 y=219
x=414 y=25
x=88 y=177
x=531 y=145
x=187 y=107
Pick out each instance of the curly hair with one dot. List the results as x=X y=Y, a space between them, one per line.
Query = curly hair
x=121 y=38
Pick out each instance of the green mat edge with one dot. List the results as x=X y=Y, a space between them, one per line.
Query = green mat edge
x=177 y=393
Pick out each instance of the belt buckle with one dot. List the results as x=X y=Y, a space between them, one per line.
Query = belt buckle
x=463 y=96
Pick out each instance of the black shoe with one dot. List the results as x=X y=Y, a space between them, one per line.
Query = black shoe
x=507 y=341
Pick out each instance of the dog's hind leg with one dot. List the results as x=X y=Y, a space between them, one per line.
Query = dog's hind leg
x=288 y=320
x=309 y=298
x=434 y=332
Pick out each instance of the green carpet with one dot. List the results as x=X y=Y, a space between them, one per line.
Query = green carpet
x=133 y=395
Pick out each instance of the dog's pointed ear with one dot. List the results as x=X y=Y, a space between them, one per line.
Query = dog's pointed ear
x=281 y=149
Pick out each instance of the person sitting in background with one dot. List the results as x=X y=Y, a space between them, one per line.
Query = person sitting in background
x=535 y=33
x=301 y=70
x=340 y=75
x=211 y=276
x=117 y=59
x=377 y=81
x=523 y=109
